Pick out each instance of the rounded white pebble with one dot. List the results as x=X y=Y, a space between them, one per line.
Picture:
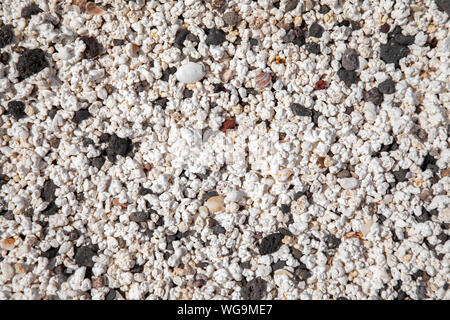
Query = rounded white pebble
x=190 y=72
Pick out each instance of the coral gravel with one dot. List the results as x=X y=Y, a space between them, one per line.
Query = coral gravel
x=223 y=149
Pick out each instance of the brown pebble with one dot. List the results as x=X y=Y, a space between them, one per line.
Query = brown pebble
x=344 y=174
x=92 y=8
x=385 y=28
x=320 y=85
x=116 y=202
x=98 y=282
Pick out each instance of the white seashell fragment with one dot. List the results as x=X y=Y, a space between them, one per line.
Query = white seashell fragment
x=348 y=183
x=215 y=204
x=190 y=72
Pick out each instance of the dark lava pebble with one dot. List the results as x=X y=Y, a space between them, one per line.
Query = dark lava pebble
x=137 y=269
x=291 y=5
x=215 y=37
x=300 y=110
x=374 y=95
x=397 y=37
x=84 y=255
x=356 y=25
x=254 y=289
x=52 y=113
x=316 y=30
x=81 y=115
x=51 y=209
x=253 y=42
x=17 y=109
x=285 y=208
x=4 y=58
x=140 y=86
x=118 y=42
x=424 y=217
x=270 y=243
x=313 y=47
x=50 y=253
x=350 y=60
x=302 y=273
x=231 y=18
x=296 y=36
x=331 y=241
x=443 y=5
x=429 y=162
x=324 y=9
x=31 y=62
x=396 y=48
x=347 y=76
x=111 y=295
x=30 y=10
x=387 y=86
x=48 y=191
x=188 y=93
x=97 y=162
x=93 y=47
x=392 y=53
x=344 y=23
x=180 y=37
x=139 y=216
x=7 y=214
x=400 y=175
x=215 y=226
x=280 y=264
x=166 y=73
x=6 y=35
x=119 y=146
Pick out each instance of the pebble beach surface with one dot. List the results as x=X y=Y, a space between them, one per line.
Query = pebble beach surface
x=224 y=149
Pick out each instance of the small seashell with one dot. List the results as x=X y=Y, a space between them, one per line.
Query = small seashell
x=215 y=204
x=190 y=72
x=263 y=80
x=226 y=75
x=92 y=8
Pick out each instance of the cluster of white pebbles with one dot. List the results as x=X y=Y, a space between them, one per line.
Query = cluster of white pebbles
x=212 y=186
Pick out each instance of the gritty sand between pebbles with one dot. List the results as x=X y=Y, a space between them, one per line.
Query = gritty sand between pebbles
x=272 y=149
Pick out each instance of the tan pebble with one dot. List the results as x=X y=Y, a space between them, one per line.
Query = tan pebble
x=178 y=272
x=407 y=257
x=20 y=268
x=116 y=202
x=6 y=138
x=215 y=204
x=98 y=282
x=237 y=109
x=282 y=272
x=446 y=172
x=283 y=174
x=226 y=75
x=8 y=243
x=288 y=240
